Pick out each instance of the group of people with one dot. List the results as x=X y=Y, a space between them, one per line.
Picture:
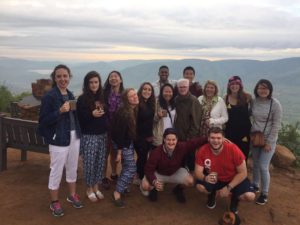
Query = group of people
x=182 y=134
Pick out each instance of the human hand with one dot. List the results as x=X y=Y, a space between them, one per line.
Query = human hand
x=65 y=107
x=267 y=148
x=159 y=186
x=98 y=113
x=119 y=156
x=224 y=192
x=211 y=178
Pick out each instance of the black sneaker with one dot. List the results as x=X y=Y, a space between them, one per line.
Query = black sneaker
x=153 y=195
x=211 y=200
x=254 y=188
x=234 y=205
x=178 y=192
x=262 y=199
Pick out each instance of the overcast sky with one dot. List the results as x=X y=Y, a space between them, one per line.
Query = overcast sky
x=93 y=30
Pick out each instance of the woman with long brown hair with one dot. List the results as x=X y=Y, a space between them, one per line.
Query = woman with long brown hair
x=123 y=134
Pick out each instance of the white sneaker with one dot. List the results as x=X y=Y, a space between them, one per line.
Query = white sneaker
x=145 y=193
x=99 y=195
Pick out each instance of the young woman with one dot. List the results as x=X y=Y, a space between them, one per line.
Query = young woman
x=266 y=116
x=164 y=114
x=214 y=112
x=113 y=89
x=123 y=133
x=93 y=122
x=143 y=143
x=238 y=107
x=58 y=124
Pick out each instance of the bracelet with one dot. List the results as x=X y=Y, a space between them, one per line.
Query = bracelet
x=229 y=187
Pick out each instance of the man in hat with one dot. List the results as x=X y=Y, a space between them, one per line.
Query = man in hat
x=220 y=166
x=164 y=165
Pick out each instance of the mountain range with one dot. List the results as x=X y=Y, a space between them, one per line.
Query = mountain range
x=17 y=75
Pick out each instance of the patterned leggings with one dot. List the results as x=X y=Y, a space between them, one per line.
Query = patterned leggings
x=93 y=149
x=128 y=169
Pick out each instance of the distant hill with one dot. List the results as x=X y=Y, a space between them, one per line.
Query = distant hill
x=18 y=74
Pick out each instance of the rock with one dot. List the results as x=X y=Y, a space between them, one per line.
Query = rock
x=283 y=157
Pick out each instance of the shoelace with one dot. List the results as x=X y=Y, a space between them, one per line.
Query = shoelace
x=56 y=206
x=75 y=198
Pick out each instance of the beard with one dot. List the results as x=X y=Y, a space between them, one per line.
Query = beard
x=217 y=149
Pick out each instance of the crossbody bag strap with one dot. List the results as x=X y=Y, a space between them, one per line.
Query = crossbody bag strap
x=268 y=115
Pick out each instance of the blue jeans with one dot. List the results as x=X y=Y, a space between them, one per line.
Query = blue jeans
x=261 y=163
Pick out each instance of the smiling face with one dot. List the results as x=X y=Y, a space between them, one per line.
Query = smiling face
x=167 y=93
x=114 y=80
x=146 y=91
x=210 y=90
x=62 y=78
x=215 y=141
x=263 y=91
x=94 y=84
x=189 y=74
x=234 y=88
x=163 y=74
x=133 y=98
x=170 y=142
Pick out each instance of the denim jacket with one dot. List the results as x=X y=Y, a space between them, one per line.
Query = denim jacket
x=53 y=125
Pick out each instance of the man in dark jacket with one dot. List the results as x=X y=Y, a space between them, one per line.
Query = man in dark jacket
x=164 y=165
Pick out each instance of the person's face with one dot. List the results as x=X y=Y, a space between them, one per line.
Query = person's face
x=146 y=91
x=62 y=78
x=189 y=74
x=234 y=88
x=163 y=74
x=210 y=90
x=133 y=98
x=263 y=91
x=167 y=93
x=215 y=141
x=94 y=84
x=183 y=89
x=114 y=80
x=170 y=142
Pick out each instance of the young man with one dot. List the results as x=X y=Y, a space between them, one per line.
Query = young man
x=164 y=165
x=220 y=166
x=163 y=74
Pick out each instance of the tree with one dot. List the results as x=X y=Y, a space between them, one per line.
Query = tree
x=6 y=98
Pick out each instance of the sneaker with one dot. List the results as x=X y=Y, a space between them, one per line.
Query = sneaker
x=262 y=199
x=234 y=205
x=178 y=192
x=75 y=200
x=56 y=209
x=153 y=195
x=254 y=188
x=117 y=202
x=106 y=183
x=211 y=200
x=99 y=195
x=145 y=193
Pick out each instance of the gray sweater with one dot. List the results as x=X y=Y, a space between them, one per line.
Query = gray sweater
x=260 y=110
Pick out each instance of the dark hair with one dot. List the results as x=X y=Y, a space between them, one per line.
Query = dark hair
x=88 y=95
x=107 y=86
x=242 y=97
x=60 y=66
x=265 y=83
x=170 y=131
x=189 y=68
x=163 y=67
x=215 y=130
x=162 y=102
x=151 y=100
x=126 y=111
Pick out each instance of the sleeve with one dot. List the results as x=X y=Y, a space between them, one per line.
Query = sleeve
x=275 y=121
x=221 y=114
x=151 y=165
x=49 y=113
x=194 y=143
x=199 y=157
x=196 y=116
x=84 y=112
x=156 y=117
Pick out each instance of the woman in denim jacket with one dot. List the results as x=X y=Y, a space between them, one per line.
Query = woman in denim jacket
x=58 y=124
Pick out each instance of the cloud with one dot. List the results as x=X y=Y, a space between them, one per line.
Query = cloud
x=170 y=28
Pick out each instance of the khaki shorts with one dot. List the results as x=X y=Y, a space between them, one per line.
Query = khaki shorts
x=179 y=177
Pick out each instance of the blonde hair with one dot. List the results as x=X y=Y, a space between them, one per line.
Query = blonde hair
x=211 y=82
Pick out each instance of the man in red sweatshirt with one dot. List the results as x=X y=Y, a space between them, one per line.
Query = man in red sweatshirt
x=164 y=165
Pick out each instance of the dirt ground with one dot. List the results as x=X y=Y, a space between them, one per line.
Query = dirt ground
x=25 y=200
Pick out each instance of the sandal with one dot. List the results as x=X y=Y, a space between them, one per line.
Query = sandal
x=117 y=202
x=99 y=194
x=92 y=196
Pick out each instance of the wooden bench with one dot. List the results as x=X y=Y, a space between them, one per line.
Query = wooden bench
x=19 y=134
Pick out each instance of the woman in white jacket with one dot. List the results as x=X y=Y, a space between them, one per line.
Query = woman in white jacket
x=214 y=112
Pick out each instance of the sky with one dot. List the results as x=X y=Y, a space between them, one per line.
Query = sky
x=106 y=30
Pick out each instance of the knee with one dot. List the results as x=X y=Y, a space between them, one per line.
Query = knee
x=248 y=196
x=189 y=181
